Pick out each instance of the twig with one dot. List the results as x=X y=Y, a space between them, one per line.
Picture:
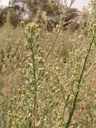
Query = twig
x=58 y=35
x=90 y=69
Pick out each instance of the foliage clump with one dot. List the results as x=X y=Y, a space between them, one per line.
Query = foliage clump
x=44 y=84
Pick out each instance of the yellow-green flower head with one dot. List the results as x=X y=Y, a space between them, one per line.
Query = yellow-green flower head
x=33 y=25
x=13 y=127
x=30 y=27
x=19 y=90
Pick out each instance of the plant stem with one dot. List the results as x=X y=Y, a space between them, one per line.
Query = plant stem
x=35 y=89
x=78 y=86
x=34 y=111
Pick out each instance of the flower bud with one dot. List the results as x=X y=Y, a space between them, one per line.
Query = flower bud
x=22 y=24
x=37 y=44
x=24 y=91
x=37 y=35
x=29 y=38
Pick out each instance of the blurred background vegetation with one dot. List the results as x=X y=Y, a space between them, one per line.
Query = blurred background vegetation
x=65 y=30
x=28 y=10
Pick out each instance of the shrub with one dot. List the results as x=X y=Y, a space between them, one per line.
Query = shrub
x=52 y=93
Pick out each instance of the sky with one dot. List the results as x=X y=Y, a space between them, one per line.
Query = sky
x=4 y=2
x=78 y=4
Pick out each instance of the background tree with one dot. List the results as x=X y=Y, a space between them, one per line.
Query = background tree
x=15 y=18
x=27 y=10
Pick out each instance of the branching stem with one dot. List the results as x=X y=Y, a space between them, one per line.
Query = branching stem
x=78 y=86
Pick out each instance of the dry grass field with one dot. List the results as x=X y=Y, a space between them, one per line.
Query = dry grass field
x=48 y=80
